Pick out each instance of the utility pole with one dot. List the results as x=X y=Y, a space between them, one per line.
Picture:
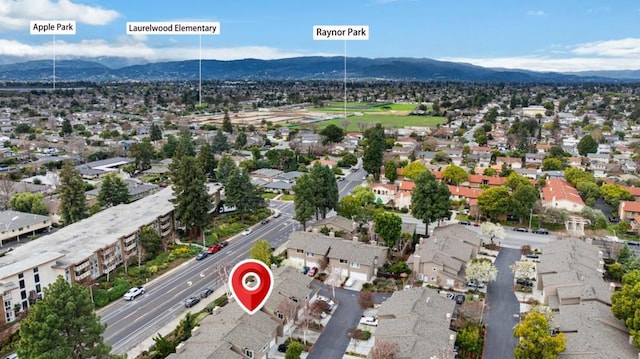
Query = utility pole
x=530 y=218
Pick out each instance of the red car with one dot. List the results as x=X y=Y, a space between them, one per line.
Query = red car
x=214 y=248
x=312 y=271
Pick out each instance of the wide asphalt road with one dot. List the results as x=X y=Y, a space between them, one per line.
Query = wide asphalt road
x=130 y=323
x=502 y=310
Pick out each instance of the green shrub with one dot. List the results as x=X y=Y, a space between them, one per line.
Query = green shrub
x=133 y=271
x=365 y=335
x=101 y=297
x=120 y=286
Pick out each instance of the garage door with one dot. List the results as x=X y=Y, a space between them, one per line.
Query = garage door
x=359 y=276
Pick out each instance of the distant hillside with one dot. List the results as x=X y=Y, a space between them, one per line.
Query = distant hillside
x=299 y=68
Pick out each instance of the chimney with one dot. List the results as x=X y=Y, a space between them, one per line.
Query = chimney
x=332 y=234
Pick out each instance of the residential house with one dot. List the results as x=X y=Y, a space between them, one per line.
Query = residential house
x=266 y=174
x=464 y=193
x=574 y=162
x=476 y=181
x=340 y=226
x=418 y=321
x=456 y=156
x=598 y=164
x=569 y=275
x=512 y=162
x=231 y=333
x=354 y=259
x=97 y=169
x=441 y=259
x=627 y=210
x=136 y=190
x=329 y=163
x=16 y=224
x=403 y=153
x=635 y=191
x=560 y=194
x=533 y=160
x=291 y=289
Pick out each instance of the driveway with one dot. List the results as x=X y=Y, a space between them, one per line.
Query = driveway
x=502 y=310
x=333 y=341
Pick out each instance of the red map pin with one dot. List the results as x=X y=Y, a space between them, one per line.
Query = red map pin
x=251 y=283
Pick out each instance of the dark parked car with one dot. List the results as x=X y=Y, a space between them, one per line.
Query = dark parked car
x=282 y=348
x=533 y=256
x=191 y=301
x=460 y=298
x=305 y=270
x=524 y=282
x=633 y=243
x=223 y=244
x=466 y=223
x=541 y=231
x=614 y=219
x=264 y=221
x=205 y=292
x=520 y=229
x=201 y=256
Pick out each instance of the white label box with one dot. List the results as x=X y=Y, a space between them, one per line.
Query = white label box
x=55 y=27
x=341 y=32
x=173 y=28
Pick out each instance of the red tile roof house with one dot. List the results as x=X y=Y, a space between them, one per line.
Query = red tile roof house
x=475 y=181
x=635 y=191
x=560 y=194
x=628 y=210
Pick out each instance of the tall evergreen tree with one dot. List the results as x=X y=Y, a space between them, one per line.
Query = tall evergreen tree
x=143 y=153
x=304 y=200
x=241 y=193
x=113 y=191
x=374 y=150
x=207 y=160
x=155 y=133
x=220 y=143
x=430 y=199
x=66 y=127
x=226 y=123
x=191 y=198
x=63 y=325
x=226 y=166
x=73 y=203
x=241 y=140
x=325 y=189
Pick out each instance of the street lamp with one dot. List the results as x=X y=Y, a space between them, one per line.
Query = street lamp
x=91 y=291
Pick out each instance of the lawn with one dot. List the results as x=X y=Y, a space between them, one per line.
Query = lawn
x=269 y=195
x=286 y=197
x=386 y=121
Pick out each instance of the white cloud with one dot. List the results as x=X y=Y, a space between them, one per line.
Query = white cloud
x=539 y=63
x=130 y=47
x=623 y=47
x=16 y=14
x=536 y=13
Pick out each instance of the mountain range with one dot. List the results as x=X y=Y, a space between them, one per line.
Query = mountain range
x=297 y=68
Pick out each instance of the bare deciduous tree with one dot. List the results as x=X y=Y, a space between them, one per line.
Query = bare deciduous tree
x=366 y=299
x=611 y=249
x=288 y=308
x=384 y=350
x=6 y=190
x=221 y=270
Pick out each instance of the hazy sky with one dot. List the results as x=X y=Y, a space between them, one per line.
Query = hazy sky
x=559 y=35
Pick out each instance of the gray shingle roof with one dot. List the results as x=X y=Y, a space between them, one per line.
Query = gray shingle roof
x=337 y=248
x=417 y=320
x=10 y=220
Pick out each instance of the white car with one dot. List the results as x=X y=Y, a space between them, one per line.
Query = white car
x=350 y=282
x=330 y=302
x=133 y=293
x=247 y=231
x=372 y=321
